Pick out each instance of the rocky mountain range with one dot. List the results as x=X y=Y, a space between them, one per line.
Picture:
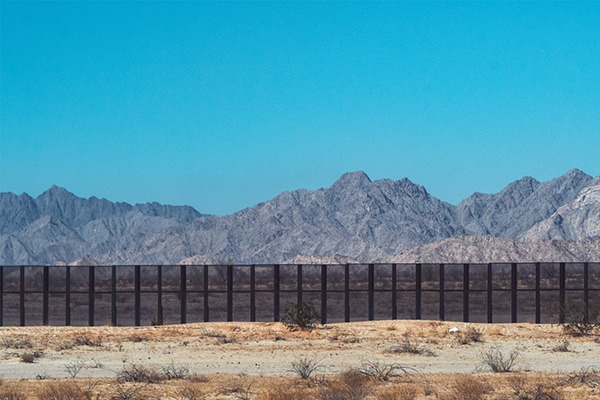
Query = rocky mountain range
x=354 y=219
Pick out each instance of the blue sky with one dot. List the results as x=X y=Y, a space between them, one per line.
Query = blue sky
x=224 y=105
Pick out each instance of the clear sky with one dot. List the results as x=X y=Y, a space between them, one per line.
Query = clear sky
x=224 y=105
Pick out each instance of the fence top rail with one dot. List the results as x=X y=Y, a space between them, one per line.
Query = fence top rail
x=299 y=264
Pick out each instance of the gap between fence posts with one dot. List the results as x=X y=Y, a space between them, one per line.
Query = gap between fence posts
x=205 y=295
x=253 y=293
x=183 y=293
x=229 y=293
x=299 y=284
x=276 y=293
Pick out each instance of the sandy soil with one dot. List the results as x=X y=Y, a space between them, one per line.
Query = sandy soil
x=268 y=349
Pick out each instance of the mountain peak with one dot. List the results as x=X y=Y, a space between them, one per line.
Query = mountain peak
x=352 y=179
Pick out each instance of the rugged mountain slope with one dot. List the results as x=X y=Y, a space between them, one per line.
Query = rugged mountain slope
x=520 y=205
x=354 y=219
x=474 y=249
x=577 y=220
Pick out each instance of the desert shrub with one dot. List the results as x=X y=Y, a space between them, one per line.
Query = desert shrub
x=65 y=390
x=303 y=316
x=190 y=391
x=409 y=345
x=87 y=340
x=499 y=361
x=138 y=373
x=239 y=391
x=305 y=367
x=173 y=371
x=588 y=375
x=197 y=378
x=524 y=390
x=382 y=371
x=349 y=385
x=157 y=321
x=126 y=392
x=580 y=320
x=73 y=368
x=468 y=388
x=563 y=347
x=398 y=392
x=470 y=335
x=28 y=357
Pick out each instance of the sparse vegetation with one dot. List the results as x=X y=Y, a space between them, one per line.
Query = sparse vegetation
x=28 y=357
x=563 y=347
x=581 y=320
x=74 y=367
x=382 y=371
x=409 y=345
x=522 y=389
x=349 y=385
x=499 y=361
x=470 y=335
x=173 y=371
x=64 y=390
x=305 y=367
x=303 y=316
x=467 y=387
x=139 y=373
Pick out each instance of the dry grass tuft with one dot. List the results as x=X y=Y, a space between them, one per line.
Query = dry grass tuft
x=64 y=390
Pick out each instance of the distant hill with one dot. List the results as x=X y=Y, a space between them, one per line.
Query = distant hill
x=354 y=219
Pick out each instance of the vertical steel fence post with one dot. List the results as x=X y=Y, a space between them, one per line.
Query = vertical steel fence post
x=91 y=295
x=183 y=292
x=1 y=295
x=276 y=293
x=418 y=285
x=466 y=292
x=137 y=295
x=394 y=292
x=229 y=293
x=22 y=295
x=347 y=293
x=205 y=294
x=113 y=295
x=323 y=294
x=68 y=296
x=513 y=293
x=538 y=297
x=45 y=296
x=490 y=310
x=586 y=290
x=442 y=279
x=371 y=301
x=253 y=293
x=562 y=294
x=159 y=287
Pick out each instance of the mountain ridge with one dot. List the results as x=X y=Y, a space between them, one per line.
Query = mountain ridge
x=355 y=218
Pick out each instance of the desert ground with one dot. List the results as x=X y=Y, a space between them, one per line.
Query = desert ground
x=237 y=360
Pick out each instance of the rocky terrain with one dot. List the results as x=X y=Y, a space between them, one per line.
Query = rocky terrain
x=355 y=219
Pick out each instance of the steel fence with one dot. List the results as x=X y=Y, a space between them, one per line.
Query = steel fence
x=143 y=294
